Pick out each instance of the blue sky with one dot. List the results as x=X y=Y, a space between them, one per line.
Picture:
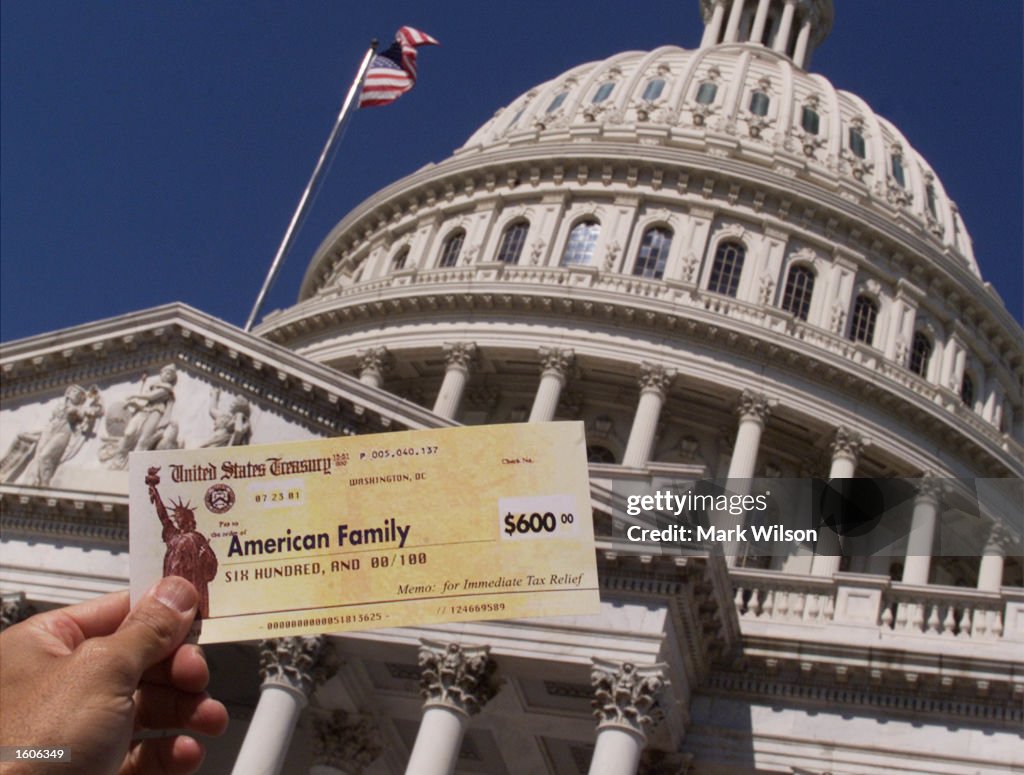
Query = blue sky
x=154 y=152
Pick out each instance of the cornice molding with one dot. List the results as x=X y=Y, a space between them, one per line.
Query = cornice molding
x=314 y=395
x=48 y=514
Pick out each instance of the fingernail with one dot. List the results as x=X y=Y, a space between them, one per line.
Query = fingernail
x=176 y=593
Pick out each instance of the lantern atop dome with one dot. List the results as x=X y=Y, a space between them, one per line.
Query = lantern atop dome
x=793 y=28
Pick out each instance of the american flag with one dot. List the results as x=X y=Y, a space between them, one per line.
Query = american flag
x=393 y=71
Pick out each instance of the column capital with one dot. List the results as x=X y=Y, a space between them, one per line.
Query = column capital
x=753 y=406
x=460 y=354
x=847 y=442
x=556 y=359
x=626 y=695
x=374 y=359
x=458 y=677
x=301 y=664
x=656 y=378
x=14 y=608
x=1000 y=540
x=345 y=742
x=930 y=487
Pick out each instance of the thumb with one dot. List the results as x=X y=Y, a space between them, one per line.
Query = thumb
x=156 y=626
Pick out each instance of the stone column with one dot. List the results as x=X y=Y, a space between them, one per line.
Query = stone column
x=917 y=564
x=654 y=384
x=993 y=557
x=291 y=668
x=802 y=39
x=459 y=357
x=374 y=363
x=344 y=744
x=785 y=27
x=757 y=32
x=714 y=27
x=455 y=681
x=733 y=26
x=555 y=363
x=14 y=608
x=753 y=409
x=846 y=447
x=625 y=703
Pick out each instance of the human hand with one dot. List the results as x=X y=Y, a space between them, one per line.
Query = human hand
x=89 y=677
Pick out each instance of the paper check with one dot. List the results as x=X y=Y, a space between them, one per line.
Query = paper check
x=362 y=532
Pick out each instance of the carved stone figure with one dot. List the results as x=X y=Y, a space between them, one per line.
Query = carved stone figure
x=142 y=422
x=188 y=552
x=41 y=452
x=230 y=428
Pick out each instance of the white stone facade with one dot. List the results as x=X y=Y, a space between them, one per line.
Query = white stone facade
x=716 y=284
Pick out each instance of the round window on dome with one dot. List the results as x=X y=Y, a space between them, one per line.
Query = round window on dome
x=759 y=102
x=603 y=92
x=706 y=93
x=556 y=103
x=857 y=146
x=653 y=89
x=809 y=120
x=897 y=170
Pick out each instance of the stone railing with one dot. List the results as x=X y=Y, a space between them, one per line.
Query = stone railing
x=878 y=604
x=949 y=612
x=783 y=597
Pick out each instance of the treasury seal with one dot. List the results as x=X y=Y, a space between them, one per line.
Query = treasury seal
x=219 y=498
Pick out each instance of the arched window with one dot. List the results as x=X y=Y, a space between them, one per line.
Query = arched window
x=603 y=92
x=654 y=247
x=862 y=322
x=653 y=89
x=897 y=170
x=796 y=298
x=398 y=262
x=809 y=120
x=759 y=102
x=725 y=272
x=556 y=103
x=512 y=242
x=857 y=147
x=451 y=248
x=706 y=93
x=920 y=354
x=967 y=390
x=582 y=241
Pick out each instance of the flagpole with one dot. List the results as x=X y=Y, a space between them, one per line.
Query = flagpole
x=314 y=181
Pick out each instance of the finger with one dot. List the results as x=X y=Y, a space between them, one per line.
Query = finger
x=185 y=669
x=179 y=755
x=156 y=626
x=161 y=707
x=90 y=619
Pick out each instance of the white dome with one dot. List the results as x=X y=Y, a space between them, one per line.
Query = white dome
x=704 y=100
x=720 y=213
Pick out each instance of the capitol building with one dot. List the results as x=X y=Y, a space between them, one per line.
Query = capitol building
x=725 y=268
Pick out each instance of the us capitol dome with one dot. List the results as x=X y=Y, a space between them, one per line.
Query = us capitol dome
x=676 y=247
x=726 y=268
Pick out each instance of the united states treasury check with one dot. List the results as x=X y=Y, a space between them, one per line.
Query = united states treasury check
x=362 y=532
